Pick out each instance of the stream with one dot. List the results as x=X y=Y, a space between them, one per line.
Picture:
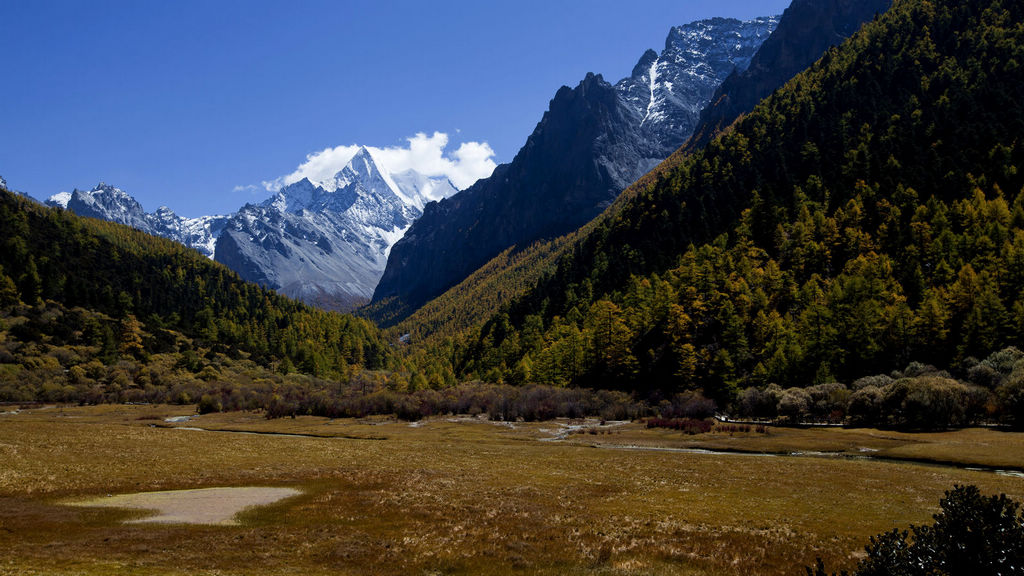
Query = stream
x=562 y=434
x=1019 y=473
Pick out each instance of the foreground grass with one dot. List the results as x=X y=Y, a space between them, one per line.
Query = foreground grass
x=455 y=497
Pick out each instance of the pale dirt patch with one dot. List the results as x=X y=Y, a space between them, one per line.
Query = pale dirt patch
x=199 y=506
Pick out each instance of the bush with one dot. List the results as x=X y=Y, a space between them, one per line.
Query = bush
x=927 y=403
x=1004 y=361
x=1011 y=400
x=209 y=404
x=865 y=406
x=794 y=404
x=829 y=402
x=878 y=381
x=972 y=535
x=982 y=374
x=687 y=425
x=915 y=369
x=760 y=402
x=689 y=405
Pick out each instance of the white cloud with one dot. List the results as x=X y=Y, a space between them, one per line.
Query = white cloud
x=424 y=154
x=250 y=188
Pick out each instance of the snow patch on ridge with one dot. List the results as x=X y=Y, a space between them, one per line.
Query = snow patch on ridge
x=59 y=199
x=653 y=85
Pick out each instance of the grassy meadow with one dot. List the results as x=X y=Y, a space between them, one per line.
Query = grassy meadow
x=465 y=496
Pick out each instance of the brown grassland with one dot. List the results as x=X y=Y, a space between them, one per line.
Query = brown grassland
x=463 y=496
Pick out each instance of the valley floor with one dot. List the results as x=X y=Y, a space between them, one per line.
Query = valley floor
x=467 y=496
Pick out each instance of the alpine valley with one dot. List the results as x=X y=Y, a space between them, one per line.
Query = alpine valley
x=756 y=309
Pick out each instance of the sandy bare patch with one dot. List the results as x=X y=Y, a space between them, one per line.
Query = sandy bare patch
x=200 y=506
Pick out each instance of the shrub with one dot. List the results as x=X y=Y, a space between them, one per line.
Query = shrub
x=865 y=407
x=1005 y=360
x=760 y=402
x=687 y=425
x=829 y=402
x=1011 y=400
x=972 y=535
x=209 y=404
x=878 y=381
x=927 y=403
x=794 y=404
x=982 y=374
x=689 y=405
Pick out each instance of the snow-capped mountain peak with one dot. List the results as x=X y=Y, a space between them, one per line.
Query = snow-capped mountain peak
x=418 y=190
x=362 y=166
x=327 y=242
x=59 y=199
x=108 y=202
x=105 y=202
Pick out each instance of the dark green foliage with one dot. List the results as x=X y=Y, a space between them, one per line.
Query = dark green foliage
x=973 y=535
x=868 y=213
x=127 y=294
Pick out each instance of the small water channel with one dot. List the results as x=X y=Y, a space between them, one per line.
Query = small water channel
x=864 y=456
x=564 y=431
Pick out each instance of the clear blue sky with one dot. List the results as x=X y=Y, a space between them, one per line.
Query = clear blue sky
x=180 y=102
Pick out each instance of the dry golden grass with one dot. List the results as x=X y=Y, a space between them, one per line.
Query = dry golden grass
x=447 y=497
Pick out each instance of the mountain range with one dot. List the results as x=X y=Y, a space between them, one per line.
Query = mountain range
x=842 y=228
x=849 y=251
x=325 y=243
x=866 y=214
x=328 y=243
x=115 y=205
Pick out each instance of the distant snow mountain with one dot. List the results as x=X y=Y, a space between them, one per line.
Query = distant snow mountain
x=109 y=203
x=327 y=242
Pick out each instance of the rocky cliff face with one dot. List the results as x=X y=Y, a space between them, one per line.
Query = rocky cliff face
x=564 y=175
x=669 y=90
x=806 y=30
x=594 y=140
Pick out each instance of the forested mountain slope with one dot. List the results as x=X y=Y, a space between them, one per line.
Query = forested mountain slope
x=507 y=276
x=804 y=32
x=866 y=214
x=75 y=289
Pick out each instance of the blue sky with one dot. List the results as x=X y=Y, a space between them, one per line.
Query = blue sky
x=192 y=104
